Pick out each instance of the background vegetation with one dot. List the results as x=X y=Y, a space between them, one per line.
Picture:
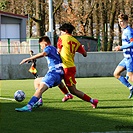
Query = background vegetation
x=95 y=18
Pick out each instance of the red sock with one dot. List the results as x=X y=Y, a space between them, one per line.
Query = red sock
x=64 y=90
x=86 y=98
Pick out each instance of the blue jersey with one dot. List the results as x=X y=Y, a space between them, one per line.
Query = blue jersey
x=127 y=45
x=53 y=59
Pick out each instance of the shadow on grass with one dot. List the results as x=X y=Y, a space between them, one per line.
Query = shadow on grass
x=117 y=100
x=59 y=120
x=109 y=107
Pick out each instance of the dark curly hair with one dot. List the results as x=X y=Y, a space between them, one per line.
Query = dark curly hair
x=67 y=27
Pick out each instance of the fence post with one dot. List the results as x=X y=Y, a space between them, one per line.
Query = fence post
x=8 y=45
x=39 y=48
x=99 y=44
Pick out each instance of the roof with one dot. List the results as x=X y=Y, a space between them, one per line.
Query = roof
x=12 y=15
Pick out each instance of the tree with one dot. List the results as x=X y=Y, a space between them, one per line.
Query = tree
x=111 y=23
x=39 y=17
x=95 y=18
x=4 y=5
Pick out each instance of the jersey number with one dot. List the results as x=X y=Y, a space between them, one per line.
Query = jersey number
x=72 y=46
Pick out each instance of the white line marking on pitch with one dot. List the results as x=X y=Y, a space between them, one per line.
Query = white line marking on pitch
x=10 y=99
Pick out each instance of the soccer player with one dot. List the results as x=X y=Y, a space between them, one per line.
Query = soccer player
x=127 y=47
x=52 y=78
x=34 y=72
x=67 y=47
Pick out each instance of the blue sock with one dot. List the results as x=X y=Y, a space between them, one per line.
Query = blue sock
x=33 y=100
x=124 y=81
x=127 y=77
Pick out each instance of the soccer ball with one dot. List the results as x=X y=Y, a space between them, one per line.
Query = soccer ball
x=19 y=95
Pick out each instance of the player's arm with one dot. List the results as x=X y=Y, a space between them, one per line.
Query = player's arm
x=130 y=45
x=82 y=50
x=39 y=55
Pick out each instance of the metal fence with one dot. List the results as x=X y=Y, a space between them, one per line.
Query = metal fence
x=15 y=46
x=12 y=46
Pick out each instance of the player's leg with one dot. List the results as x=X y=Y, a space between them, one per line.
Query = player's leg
x=43 y=87
x=68 y=95
x=70 y=81
x=131 y=88
x=83 y=96
x=117 y=74
x=130 y=76
x=129 y=65
x=122 y=79
x=38 y=93
x=50 y=80
x=37 y=82
x=46 y=82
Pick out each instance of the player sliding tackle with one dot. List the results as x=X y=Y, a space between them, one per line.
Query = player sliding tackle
x=52 y=78
x=127 y=47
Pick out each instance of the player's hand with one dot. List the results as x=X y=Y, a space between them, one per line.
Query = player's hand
x=117 y=48
x=24 y=61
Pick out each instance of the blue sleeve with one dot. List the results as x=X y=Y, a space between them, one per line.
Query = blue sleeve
x=130 y=36
x=130 y=45
x=46 y=49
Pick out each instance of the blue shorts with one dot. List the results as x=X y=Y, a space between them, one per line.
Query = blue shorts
x=52 y=79
x=127 y=63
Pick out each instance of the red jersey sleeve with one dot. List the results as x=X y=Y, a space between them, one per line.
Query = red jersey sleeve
x=81 y=49
x=59 y=43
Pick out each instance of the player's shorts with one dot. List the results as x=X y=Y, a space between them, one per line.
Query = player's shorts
x=52 y=79
x=69 y=76
x=127 y=63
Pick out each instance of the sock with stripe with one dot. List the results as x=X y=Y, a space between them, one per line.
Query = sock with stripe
x=124 y=81
x=33 y=100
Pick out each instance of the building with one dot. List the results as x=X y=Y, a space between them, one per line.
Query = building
x=12 y=26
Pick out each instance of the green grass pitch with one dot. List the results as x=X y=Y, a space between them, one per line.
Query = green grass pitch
x=114 y=111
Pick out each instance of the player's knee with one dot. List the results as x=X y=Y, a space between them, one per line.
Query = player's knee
x=116 y=75
x=35 y=81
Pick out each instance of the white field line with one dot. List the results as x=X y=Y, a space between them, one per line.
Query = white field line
x=9 y=99
x=111 y=132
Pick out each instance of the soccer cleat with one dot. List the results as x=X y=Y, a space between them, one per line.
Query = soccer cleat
x=38 y=103
x=24 y=109
x=94 y=104
x=67 y=97
x=131 y=93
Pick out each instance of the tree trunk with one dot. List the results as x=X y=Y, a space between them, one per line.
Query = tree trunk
x=104 y=25
x=111 y=23
x=40 y=18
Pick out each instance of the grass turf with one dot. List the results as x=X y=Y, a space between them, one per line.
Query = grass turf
x=114 y=112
